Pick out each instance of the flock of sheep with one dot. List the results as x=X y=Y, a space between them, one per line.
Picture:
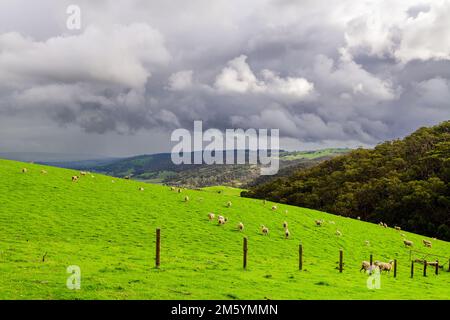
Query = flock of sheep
x=240 y=226
x=365 y=265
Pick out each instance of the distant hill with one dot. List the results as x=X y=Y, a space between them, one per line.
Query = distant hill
x=402 y=182
x=50 y=157
x=159 y=168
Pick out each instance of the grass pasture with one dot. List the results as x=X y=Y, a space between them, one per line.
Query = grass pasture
x=108 y=229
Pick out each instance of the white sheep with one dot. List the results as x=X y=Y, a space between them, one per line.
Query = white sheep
x=241 y=226
x=367 y=243
x=274 y=208
x=365 y=265
x=385 y=266
x=186 y=199
x=285 y=225
x=265 y=230
x=286 y=233
x=338 y=233
x=211 y=216
x=229 y=204
x=141 y=189
x=24 y=170
x=427 y=243
x=319 y=222
x=75 y=178
x=44 y=171
x=408 y=243
x=397 y=228
x=222 y=220
x=83 y=173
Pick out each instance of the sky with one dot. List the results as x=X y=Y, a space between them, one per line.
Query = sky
x=325 y=73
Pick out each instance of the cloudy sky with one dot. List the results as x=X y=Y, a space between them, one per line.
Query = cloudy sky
x=326 y=73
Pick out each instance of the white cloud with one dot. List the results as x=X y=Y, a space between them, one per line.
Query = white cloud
x=181 y=80
x=238 y=77
x=122 y=55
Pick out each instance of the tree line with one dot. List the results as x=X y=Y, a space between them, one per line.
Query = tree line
x=401 y=182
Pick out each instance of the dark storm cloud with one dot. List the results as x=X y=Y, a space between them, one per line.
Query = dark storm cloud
x=344 y=73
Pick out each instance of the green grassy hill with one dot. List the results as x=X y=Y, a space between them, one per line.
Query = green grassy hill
x=108 y=230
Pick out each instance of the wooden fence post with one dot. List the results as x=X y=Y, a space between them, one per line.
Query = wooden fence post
x=300 y=257
x=448 y=265
x=341 y=258
x=425 y=268
x=412 y=268
x=245 y=252
x=395 y=268
x=437 y=267
x=158 y=248
x=371 y=259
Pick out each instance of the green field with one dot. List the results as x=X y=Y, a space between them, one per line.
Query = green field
x=108 y=230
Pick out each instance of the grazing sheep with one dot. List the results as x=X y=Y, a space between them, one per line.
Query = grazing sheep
x=240 y=226
x=285 y=225
x=127 y=177
x=265 y=230
x=229 y=204
x=172 y=188
x=75 y=178
x=385 y=266
x=274 y=208
x=408 y=243
x=141 y=189
x=385 y=225
x=338 y=233
x=367 y=243
x=24 y=170
x=403 y=235
x=319 y=222
x=381 y=224
x=44 y=171
x=179 y=190
x=186 y=199
x=397 y=228
x=286 y=233
x=365 y=265
x=211 y=216
x=83 y=173
x=427 y=243
x=222 y=220
x=359 y=218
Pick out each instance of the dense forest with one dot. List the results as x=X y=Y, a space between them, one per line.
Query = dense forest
x=403 y=182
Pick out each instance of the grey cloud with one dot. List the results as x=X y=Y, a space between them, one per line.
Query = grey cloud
x=323 y=73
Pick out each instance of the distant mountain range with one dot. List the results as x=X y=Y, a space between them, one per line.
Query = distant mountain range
x=159 y=168
x=47 y=157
